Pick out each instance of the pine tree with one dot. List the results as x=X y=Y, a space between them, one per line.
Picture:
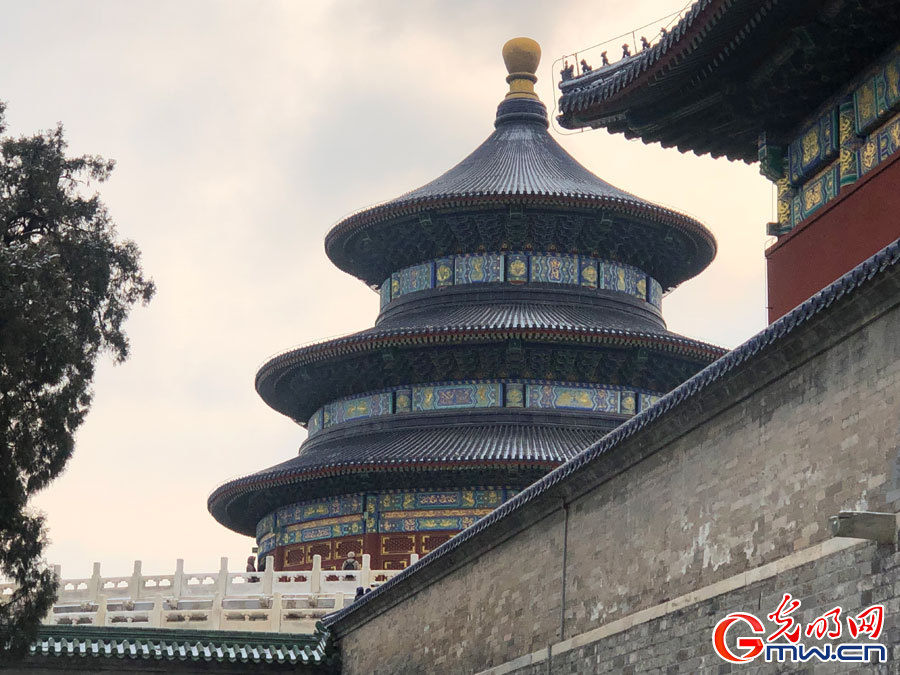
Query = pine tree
x=67 y=284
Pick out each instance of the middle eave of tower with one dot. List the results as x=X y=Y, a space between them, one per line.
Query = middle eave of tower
x=520 y=190
x=298 y=381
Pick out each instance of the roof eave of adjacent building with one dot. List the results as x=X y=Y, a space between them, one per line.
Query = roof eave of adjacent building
x=620 y=80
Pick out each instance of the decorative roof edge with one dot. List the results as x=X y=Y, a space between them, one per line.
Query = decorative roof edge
x=166 y=644
x=640 y=64
x=848 y=284
x=399 y=208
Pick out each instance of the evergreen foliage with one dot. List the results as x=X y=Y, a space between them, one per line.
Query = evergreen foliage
x=66 y=287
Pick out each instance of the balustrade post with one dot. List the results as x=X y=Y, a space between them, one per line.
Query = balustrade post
x=222 y=579
x=95 y=584
x=100 y=617
x=216 y=614
x=365 y=574
x=134 y=586
x=315 y=576
x=178 y=581
x=156 y=612
x=275 y=613
x=413 y=558
x=268 y=579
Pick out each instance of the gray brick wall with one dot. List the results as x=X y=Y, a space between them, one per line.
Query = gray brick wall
x=755 y=483
x=767 y=455
x=679 y=642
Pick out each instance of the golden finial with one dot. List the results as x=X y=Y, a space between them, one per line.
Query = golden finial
x=521 y=56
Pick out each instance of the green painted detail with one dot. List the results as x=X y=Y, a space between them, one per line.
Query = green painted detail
x=837 y=149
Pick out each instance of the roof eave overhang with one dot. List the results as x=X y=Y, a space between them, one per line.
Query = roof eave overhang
x=220 y=501
x=336 y=239
x=269 y=375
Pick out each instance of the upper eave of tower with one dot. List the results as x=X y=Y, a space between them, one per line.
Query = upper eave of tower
x=517 y=168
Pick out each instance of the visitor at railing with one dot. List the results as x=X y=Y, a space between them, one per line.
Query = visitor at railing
x=351 y=563
x=251 y=567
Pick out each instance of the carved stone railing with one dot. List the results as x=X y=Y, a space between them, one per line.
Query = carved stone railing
x=286 y=602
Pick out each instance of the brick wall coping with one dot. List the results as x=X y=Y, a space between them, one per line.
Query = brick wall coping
x=836 y=311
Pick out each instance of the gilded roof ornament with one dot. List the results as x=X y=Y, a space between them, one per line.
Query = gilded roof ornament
x=522 y=56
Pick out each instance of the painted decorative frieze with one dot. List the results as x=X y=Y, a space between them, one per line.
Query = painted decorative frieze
x=323 y=529
x=265 y=526
x=646 y=400
x=561 y=397
x=421 y=510
x=432 y=522
x=517 y=268
x=435 y=397
x=416 y=278
x=454 y=396
x=850 y=140
x=820 y=190
x=478 y=268
x=816 y=147
x=360 y=407
x=589 y=275
x=316 y=422
x=403 y=400
x=266 y=544
x=314 y=510
x=654 y=292
x=443 y=272
x=880 y=145
x=522 y=268
x=554 y=269
x=514 y=395
x=624 y=278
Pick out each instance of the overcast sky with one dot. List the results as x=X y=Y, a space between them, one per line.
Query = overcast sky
x=242 y=132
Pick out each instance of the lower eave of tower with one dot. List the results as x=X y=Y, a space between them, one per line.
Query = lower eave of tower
x=462 y=448
x=231 y=505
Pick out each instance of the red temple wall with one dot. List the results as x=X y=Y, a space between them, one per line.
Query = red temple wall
x=389 y=525
x=860 y=222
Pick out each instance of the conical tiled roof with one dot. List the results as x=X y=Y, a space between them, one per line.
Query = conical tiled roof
x=519 y=158
x=520 y=163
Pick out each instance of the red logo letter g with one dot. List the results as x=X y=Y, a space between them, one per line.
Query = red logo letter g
x=754 y=646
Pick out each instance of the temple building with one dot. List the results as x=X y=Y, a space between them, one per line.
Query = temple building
x=520 y=322
x=809 y=89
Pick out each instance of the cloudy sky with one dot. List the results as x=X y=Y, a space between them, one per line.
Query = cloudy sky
x=242 y=131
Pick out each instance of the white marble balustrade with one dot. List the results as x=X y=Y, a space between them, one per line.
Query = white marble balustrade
x=287 y=602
